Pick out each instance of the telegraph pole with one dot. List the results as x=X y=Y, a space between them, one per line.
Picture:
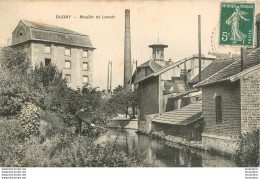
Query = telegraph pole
x=243 y=58
x=199 y=40
x=109 y=77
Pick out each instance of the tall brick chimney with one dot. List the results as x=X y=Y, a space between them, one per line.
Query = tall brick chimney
x=127 y=52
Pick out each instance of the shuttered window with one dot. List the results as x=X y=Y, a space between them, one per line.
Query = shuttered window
x=85 y=66
x=85 y=79
x=67 y=64
x=85 y=53
x=67 y=51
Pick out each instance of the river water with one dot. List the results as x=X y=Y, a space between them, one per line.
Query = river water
x=161 y=152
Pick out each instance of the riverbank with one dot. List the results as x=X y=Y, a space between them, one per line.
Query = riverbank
x=162 y=152
x=177 y=140
x=123 y=122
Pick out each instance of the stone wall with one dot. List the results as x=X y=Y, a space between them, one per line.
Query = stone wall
x=231 y=109
x=250 y=101
x=124 y=124
x=145 y=126
x=148 y=96
x=222 y=144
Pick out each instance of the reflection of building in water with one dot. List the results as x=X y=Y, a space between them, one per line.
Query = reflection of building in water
x=210 y=160
x=158 y=152
x=131 y=141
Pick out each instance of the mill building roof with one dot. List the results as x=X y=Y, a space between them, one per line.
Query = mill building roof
x=169 y=67
x=234 y=68
x=53 y=34
x=212 y=68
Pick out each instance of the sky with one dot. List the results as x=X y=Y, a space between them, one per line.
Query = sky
x=174 y=22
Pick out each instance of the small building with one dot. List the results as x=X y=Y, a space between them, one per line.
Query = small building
x=186 y=122
x=231 y=103
x=69 y=50
x=162 y=87
x=157 y=81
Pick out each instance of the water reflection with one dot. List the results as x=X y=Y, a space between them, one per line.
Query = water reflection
x=164 y=154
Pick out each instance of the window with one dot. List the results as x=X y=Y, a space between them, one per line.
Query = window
x=85 y=53
x=218 y=105
x=85 y=66
x=20 y=33
x=146 y=71
x=157 y=54
x=47 y=49
x=47 y=61
x=183 y=71
x=67 y=64
x=68 y=77
x=67 y=51
x=85 y=79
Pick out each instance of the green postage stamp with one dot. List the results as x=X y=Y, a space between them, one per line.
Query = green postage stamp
x=237 y=24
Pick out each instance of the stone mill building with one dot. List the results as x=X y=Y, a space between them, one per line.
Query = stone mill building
x=69 y=50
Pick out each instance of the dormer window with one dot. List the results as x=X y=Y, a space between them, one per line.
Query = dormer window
x=20 y=33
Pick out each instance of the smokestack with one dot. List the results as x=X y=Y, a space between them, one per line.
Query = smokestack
x=127 y=52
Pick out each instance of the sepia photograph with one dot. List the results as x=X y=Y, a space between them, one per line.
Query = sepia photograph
x=129 y=84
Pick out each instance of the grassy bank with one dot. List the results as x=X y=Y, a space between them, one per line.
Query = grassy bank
x=56 y=145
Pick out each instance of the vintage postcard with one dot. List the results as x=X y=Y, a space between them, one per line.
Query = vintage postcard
x=129 y=84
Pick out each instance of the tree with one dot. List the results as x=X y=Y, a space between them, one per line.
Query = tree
x=14 y=67
x=122 y=100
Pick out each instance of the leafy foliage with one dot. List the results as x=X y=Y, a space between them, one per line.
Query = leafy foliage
x=121 y=101
x=10 y=105
x=30 y=120
x=247 y=154
x=60 y=149
x=43 y=135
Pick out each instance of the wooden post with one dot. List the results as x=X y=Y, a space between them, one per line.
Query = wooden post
x=110 y=75
x=199 y=40
x=243 y=58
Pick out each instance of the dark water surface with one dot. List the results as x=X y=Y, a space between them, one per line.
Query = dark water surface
x=160 y=152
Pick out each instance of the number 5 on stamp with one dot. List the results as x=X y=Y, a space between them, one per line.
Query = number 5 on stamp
x=237 y=24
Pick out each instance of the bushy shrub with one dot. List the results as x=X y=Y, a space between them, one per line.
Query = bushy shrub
x=74 y=151
x=58 y=150
x=46 y=77
x=10 y=105
x=248 y=154
x=10 y=145
x=30 y=120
